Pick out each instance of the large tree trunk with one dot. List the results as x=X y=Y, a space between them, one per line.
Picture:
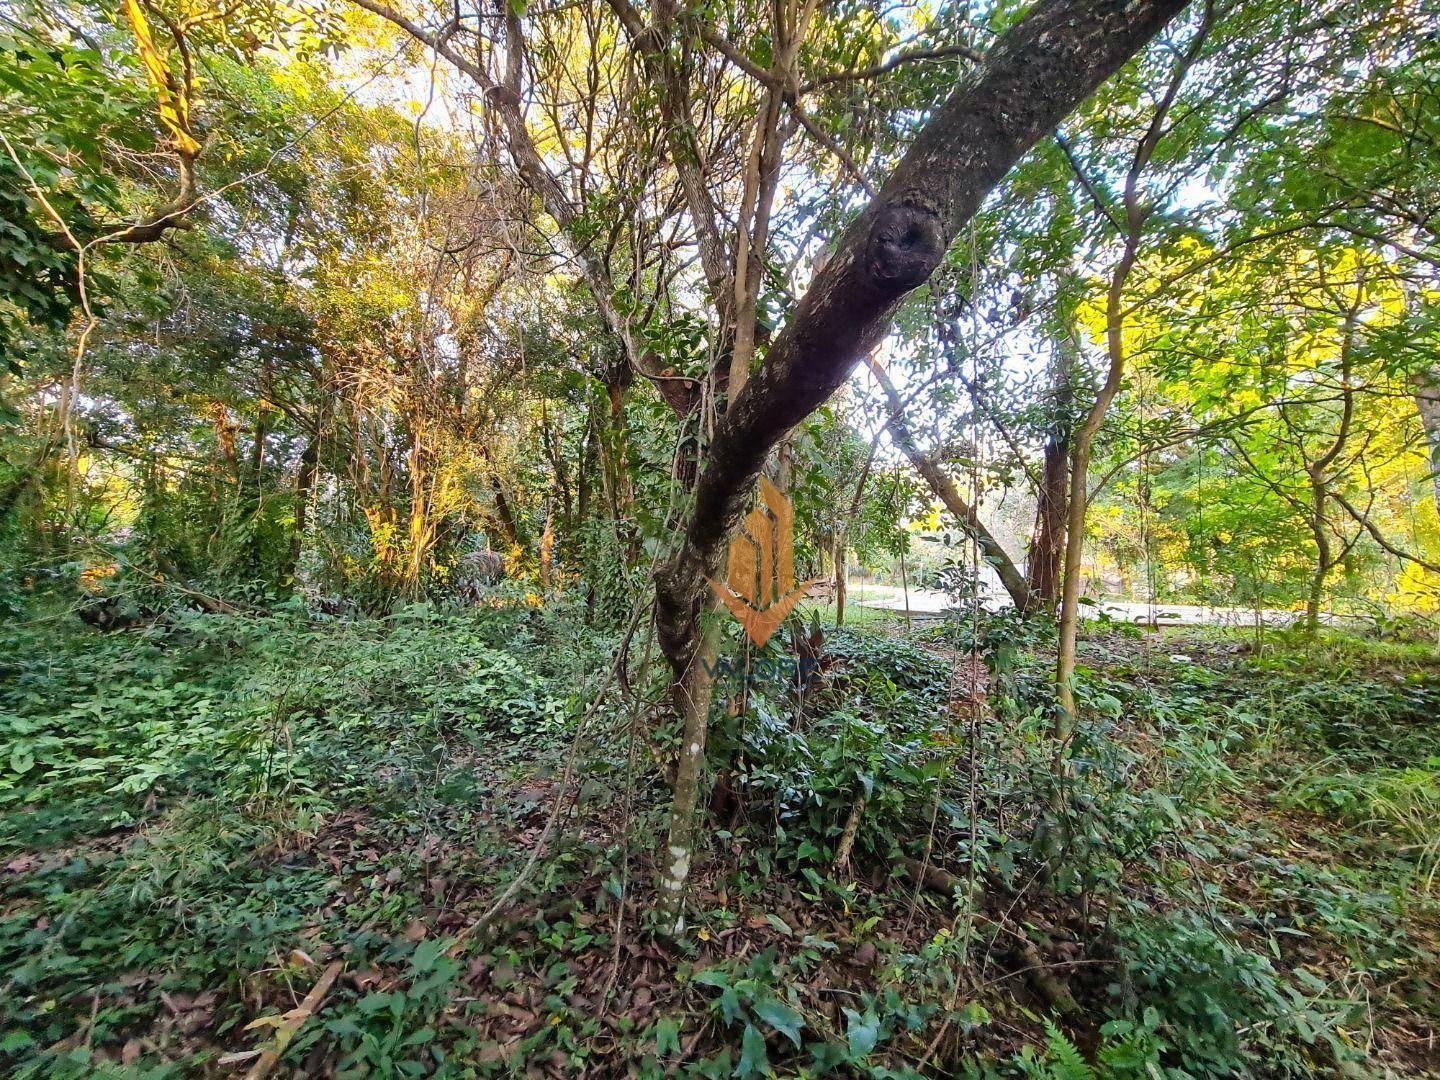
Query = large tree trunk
x=944 y=488
x=617 y=442
x=586 y=467
x=1035 y=75
x=509 y=526
x=1047 y=545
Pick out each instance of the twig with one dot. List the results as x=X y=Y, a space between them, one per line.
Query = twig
x=847 y=838
x=946 y=52
x=287 y=1025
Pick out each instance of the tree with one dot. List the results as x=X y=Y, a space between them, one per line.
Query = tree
x=1298 y=448
x=966 y=514
x=1053 y=59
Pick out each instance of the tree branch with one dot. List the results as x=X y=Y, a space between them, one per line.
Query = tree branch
x=945 y=52
x=821 y=136
x=680 y=392
x=944 y=487
x=1035 y=75
x=1369 y=526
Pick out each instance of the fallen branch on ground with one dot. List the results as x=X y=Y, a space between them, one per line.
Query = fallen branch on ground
x=289 y=1023
x=1026 y=958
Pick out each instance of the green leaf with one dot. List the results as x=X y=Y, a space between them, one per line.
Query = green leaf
x=779 y=924
x=754 y=1061
x=1108 y=704
x=16 y=1040
x=22 y=760
x=1066 y=1058
x=781 y=1017
x=667 y=1037
x=862 y=1031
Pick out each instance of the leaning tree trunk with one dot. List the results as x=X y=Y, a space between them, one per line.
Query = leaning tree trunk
x=968 y=515
x=1036 y=74
x=1079 y=499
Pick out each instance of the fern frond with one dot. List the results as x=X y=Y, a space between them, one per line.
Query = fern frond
x=1064 y=1057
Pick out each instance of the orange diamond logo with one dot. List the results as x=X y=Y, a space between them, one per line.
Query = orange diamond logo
x=761 y=589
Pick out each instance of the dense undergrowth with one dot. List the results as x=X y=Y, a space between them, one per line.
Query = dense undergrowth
x=1233 y=872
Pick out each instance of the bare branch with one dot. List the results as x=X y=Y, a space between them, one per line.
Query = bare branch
x=945 y=52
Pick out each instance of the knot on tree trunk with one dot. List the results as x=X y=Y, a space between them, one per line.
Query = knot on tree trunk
x=503 y=97
x=905 y=244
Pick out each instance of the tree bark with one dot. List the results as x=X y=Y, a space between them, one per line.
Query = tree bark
x=1047 y=546
x=588 y=456
x=1319 y=469
x=616 y=445
x=1079 y=501
x=547 y=555
x=509 y=527
x=1324 y=561
x=256 y=478
x=1037 y=73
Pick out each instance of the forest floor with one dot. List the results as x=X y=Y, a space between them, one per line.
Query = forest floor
x=229 y=835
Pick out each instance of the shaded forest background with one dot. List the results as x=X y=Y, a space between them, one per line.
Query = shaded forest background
x=341 y=353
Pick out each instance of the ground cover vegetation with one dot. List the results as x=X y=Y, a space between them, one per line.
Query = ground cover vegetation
x=398 y=673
